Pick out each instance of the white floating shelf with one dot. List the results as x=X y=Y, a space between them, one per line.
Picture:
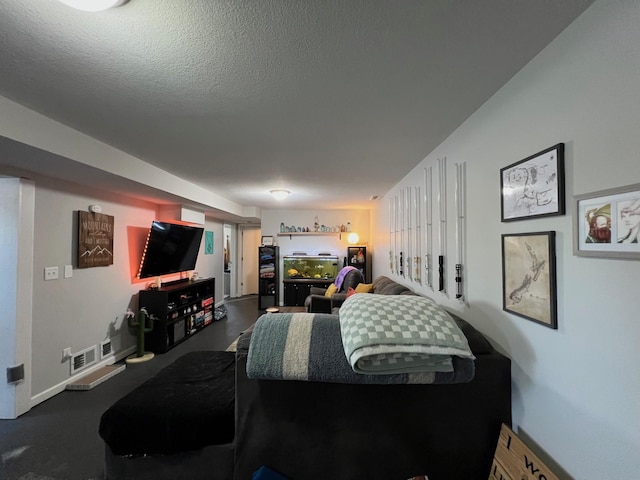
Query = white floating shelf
x=310 y=234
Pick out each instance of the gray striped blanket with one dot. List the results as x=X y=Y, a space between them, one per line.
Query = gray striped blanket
x=308 y=347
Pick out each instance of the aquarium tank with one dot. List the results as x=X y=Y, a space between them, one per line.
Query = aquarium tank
x=310 y=266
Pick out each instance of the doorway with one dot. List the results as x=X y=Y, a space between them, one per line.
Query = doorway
x=249 y=266
x=226 y=238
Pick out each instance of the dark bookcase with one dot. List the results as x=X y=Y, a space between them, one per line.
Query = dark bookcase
x=181 y=310
x=357 y=257
x=268 y=278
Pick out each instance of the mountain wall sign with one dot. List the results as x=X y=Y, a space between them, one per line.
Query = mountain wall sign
x=95 y=239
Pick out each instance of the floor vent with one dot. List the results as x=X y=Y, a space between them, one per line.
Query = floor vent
x=83 y=359
x=105 y=349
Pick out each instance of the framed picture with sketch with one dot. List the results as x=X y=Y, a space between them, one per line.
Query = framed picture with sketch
x=607 y=223
x=533 y=187
x=529 y=276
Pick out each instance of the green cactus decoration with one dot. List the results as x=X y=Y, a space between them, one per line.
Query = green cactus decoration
x=141 y=323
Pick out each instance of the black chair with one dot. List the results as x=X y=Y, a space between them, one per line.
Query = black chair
x=318 y=302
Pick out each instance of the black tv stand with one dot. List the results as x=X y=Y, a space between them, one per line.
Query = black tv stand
x=181 y=309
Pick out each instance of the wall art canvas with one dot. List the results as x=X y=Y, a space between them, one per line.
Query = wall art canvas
x=534 y=187
x=208 y=242
x=529 y=276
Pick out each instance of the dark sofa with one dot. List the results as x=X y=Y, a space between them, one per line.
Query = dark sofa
x=317 y=302
x=310 y=430
x=385 y=286
x=317 y=431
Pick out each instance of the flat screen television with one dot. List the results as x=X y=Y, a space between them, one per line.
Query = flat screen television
x=170 y=248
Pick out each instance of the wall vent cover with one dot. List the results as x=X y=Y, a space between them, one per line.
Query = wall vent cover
x=83 y=359
x=105 y=349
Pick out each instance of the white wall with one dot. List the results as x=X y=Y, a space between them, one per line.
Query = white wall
x=81 y=311
x=360 y=221
x=576 y=390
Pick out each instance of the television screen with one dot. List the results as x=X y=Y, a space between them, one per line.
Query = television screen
x=170 y=248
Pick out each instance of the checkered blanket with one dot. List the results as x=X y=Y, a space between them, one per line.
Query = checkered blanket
x=384 y=334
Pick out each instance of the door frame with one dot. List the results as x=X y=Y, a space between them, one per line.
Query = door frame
x=17 y=219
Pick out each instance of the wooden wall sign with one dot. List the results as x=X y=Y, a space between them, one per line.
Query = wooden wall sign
x=95 y=239
x=514 y=461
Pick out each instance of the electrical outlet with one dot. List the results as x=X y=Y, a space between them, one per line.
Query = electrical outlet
x=51 y=273
x=66 y=353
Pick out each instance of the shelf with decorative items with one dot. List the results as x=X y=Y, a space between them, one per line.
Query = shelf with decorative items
x=317 y=229
x=310 y=234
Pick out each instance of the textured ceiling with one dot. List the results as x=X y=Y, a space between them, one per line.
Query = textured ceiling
x=334 y=100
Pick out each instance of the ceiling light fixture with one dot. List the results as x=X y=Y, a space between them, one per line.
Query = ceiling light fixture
x=280 y=194
x=93 y=5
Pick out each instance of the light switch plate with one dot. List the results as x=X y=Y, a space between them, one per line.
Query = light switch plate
x=68 y=271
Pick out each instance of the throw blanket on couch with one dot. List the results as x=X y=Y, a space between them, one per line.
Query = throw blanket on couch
x=340 y=277
x=385 y=334
x=308 y=347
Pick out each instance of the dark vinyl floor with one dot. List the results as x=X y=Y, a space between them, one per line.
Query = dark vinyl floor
x=58 y=439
